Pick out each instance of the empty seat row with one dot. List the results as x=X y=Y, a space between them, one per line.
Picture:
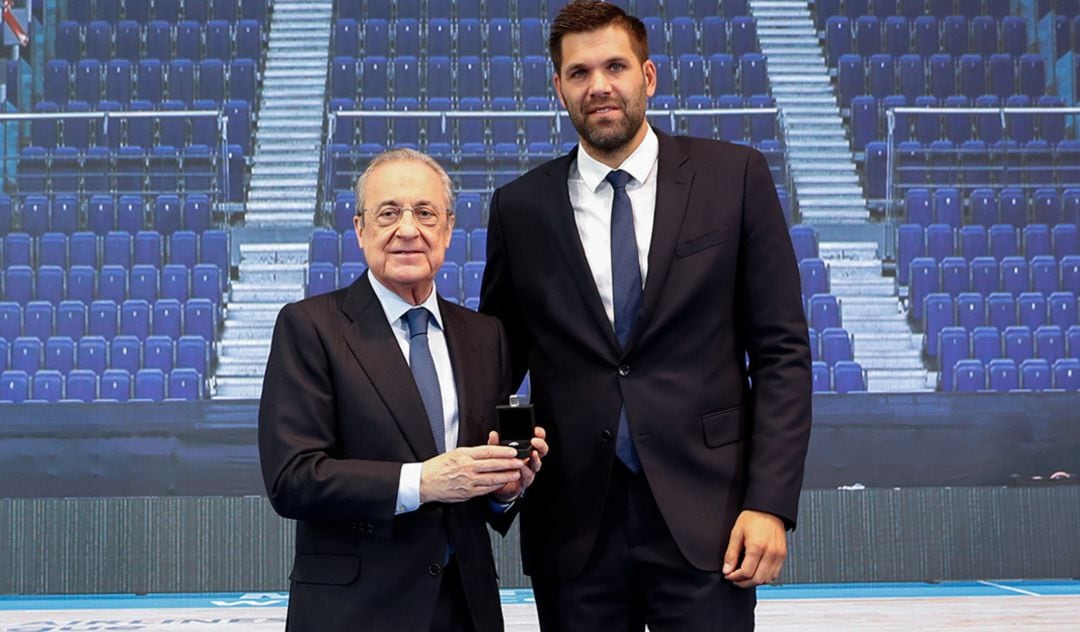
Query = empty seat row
x=941 y=76
x=39 y=214
x=181 y=80
x=940 y=242
x=1000 y=312
x=985 y=344
x=130 y=41
x=527 y=9
x=107 y=319
x=985 y=275
x=113 y=126
x=845 y=376
x=115 y=385
x=1036 y=163
x=925 y=35
x=986 y=207
x=22 y=284
x=118 y=248
x=97 y=354
x=130 y=170
x=869 y=121
x=912 y=8
x=1002 y=375
x=143 y=11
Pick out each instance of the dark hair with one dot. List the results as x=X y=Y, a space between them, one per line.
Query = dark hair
x=584 y=16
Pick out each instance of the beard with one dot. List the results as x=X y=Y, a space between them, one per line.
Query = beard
x=610 y=136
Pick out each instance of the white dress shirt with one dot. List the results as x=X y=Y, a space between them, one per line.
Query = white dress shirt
x=395 y=307
x=591 y=196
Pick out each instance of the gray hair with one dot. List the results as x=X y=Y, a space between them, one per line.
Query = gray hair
x=400 y=155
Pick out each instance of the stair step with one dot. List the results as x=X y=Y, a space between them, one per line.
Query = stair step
x=297 y=218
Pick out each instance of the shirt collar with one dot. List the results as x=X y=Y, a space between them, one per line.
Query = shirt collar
x=395 y=307
x=638 y=164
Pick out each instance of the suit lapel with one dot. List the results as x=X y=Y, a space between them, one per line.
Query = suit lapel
x=557 y=198
x=673 y=180
x=372 y=343
x=463 y=355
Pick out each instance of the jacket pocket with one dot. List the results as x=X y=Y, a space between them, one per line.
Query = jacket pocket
x=697 y=244
x=723 y=427
x=310 y=568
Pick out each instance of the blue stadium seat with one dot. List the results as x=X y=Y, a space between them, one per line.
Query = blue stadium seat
x=206 y=282
x=940 y=241
x=743 y=35
x=814 y=277
x=836 y=346
x=1067 y=374
x=158 y=41
x=200 y=319
x=193 y=352
x=166 y=319
x=349 y=272
x=472 y=275
x=1031 y=308
x=1001 y=310
x=60 y=354
x=126 y=353
x=752 y=74
x=38 y=319
x=1003 y=375
x=324 y=247
x=478 y=244
x=499 y=36
x=1031 y=75
x=10 y=325
x=953 y=346
x=848 y=377
x=970 y=310
x=150 y=385
x=115 y=385
x=53 y=250
x=1014 y=275
x=26 y=354
x=1063 y=309
x=822 y=377
x=973 y=242
x=19 y=284
x=955 y=277
x=47 y=386
x=1037 y=242
x=185 y=384
x=1019 y=344
x=71 y=319
x=184 y=248
x=217 y=40
x=174 y=282
x=824 y=312
x=81 y=386
x=1014 y=35
x=897 y=35
x=92 y=354
x=135 y=319
x=1044 y=274
x=148 y=247
x=249 y=40
x=49 y=285
x=14 y=386
x=1003 y=241
x=118 y=81
x=81 y=284
x=882 y=75
x=117 y=251
x=376 y=37
x=322 y=277
x=17 y=250
x=448 y=282
x=1050 y=343
x=214 y=250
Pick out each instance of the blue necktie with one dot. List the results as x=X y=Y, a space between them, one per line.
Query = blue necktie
x=626 y=294
x=423 y=370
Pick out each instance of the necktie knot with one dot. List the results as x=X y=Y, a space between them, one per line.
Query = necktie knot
x=417 y=318
x=618 y=179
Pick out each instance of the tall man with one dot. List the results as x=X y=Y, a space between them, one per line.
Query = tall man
x=648 y=284
x=368 y=394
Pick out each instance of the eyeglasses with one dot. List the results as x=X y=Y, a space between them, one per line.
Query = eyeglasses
x=389 y=215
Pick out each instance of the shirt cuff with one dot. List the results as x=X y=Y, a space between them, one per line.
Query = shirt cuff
x=408 y=492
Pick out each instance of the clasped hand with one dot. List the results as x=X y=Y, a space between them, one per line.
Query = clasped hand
x=464 y=473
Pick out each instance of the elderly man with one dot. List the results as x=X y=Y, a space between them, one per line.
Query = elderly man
x=376 y=404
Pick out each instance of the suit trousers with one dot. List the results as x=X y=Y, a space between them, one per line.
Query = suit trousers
x=451 y=608
x=636 y=576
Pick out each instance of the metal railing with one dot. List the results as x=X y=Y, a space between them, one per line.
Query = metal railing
x=109 y=125
x=468 y=167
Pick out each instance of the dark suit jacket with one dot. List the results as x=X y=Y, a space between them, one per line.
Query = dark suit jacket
x=339 y=415
x=714 y=436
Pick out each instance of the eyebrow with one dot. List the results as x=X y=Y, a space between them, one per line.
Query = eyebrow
x=611 y=60
x=421 y=202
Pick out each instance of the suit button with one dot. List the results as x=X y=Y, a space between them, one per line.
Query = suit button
x=605 y=435
x=434 y=570
x=624 y=370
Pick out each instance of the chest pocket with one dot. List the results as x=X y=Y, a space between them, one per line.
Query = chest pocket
x=697 y=244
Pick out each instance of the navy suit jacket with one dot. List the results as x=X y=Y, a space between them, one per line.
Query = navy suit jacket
x=715 y=435
x=340 y=414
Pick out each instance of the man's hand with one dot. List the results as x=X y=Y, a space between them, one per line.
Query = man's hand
x=465 y=473
x=759 y=539
x=529 y=467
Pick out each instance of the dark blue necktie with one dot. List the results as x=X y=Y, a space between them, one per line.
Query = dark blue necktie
x=423 y=370
x=626 y=294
